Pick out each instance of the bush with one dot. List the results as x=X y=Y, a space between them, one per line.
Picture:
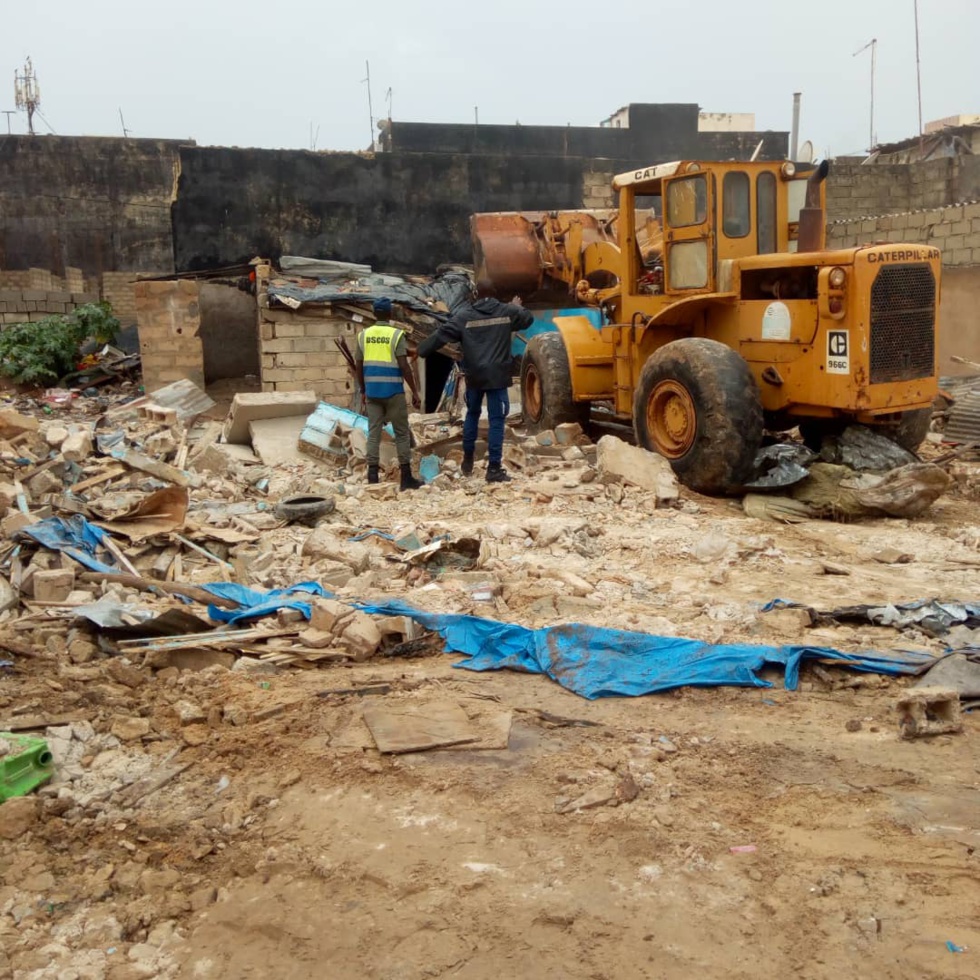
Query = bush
x=44 y=352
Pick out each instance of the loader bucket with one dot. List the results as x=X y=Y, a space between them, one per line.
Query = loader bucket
x=506 y=253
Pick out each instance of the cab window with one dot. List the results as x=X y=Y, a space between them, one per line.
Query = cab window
x=736 y=206
x=687 y=201
x=765 y=191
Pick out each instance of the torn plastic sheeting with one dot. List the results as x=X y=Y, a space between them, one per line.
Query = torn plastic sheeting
x=590 y=661
x=935 y=614
x=75 y=537
x=780 y=465
x=256 y=604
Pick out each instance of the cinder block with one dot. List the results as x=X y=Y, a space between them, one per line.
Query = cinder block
x=927 y=711
x=286 y=330
x=277 y=346
x=54 y=585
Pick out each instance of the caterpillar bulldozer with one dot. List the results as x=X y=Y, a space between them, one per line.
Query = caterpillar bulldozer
x=723 y=315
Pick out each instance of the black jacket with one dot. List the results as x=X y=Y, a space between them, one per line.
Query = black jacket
x=482 y=329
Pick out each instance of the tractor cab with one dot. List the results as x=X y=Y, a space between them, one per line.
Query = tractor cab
x=682 y=224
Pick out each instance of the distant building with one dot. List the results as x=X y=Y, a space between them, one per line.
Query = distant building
x=636 y=135
x=708 y=122
x=952 y=122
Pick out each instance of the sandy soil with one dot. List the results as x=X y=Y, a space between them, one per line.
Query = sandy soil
x=287 y=847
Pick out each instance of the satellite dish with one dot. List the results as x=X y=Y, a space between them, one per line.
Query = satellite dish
x=806 y=154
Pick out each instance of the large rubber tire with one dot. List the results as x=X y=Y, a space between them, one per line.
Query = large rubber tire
x=546 y=385
x=908 y=433
x=697 y=403
x=812 y=431
x=912 y=429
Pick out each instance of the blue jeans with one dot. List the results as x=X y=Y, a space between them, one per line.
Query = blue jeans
x=498 y=405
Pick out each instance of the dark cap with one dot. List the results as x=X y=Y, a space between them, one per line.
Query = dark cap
x=382 y=306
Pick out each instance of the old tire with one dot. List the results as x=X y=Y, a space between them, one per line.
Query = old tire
x=304 y=509
x=907 y=433
x=697 y=403
x=546 y=385
x=813 y=431
x=911 y=430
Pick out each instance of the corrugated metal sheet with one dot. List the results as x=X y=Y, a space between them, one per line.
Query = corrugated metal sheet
x=184 y=397
x=963 y=424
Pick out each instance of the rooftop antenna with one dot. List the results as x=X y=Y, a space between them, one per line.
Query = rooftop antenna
x=27 y=93
x=8 y=113
x=873 y=44
x=367 y=65
x=918 y=71
x=123 y=121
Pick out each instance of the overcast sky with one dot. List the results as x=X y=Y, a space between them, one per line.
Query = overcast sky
x=259 y=74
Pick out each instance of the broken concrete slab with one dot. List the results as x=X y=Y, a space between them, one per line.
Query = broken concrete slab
x=956 y=672
x=252 y=406
x=276 y=441
x=418 y=728
x=618 y=462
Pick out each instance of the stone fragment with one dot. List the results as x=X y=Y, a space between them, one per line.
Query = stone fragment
x=618 y=462
x=17 y=816
x=327 y=613
x=129 y=729
x=361 y=637
x=122 y=672
x=78 y=446
x=324 y=542
x=189 y=713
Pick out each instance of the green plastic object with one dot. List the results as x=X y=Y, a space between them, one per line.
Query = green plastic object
x=26 y=764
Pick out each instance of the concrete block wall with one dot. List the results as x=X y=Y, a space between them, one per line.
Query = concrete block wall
x=169 y=318
x=954 y=230
x=32 y=305
x=597 y=190
x=119 y=289
x=297 y=350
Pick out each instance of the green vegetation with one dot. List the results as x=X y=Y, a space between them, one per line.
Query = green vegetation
x=44 y=352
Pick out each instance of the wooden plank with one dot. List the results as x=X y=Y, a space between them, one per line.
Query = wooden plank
x=172 y=588
x=93 y=481
x=213 y=638
x=418 y=728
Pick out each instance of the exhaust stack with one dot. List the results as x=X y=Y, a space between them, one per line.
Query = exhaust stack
x=812 y=219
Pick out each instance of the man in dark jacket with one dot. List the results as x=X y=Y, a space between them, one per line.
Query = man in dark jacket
x=483 y=328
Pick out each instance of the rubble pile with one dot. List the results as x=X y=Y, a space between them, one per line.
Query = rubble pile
x=142 y=535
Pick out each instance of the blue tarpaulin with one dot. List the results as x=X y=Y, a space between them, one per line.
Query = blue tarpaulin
x=74 y=536
x=589 y=660
x=255 y=604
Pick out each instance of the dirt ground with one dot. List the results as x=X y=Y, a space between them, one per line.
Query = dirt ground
x=770 y=833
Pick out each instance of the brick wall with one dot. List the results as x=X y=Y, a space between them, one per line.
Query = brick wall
x=31 y=305
x=169 y=320
x=297 y=349
x=954 y=230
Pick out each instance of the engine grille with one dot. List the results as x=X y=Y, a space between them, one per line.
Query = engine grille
x=903 y=323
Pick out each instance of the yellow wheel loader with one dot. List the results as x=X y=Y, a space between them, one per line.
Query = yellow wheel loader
x=724 y=315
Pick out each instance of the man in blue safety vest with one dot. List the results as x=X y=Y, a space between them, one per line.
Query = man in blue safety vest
x=382 y=365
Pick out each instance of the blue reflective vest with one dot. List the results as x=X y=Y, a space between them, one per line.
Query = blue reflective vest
x=382 y=375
